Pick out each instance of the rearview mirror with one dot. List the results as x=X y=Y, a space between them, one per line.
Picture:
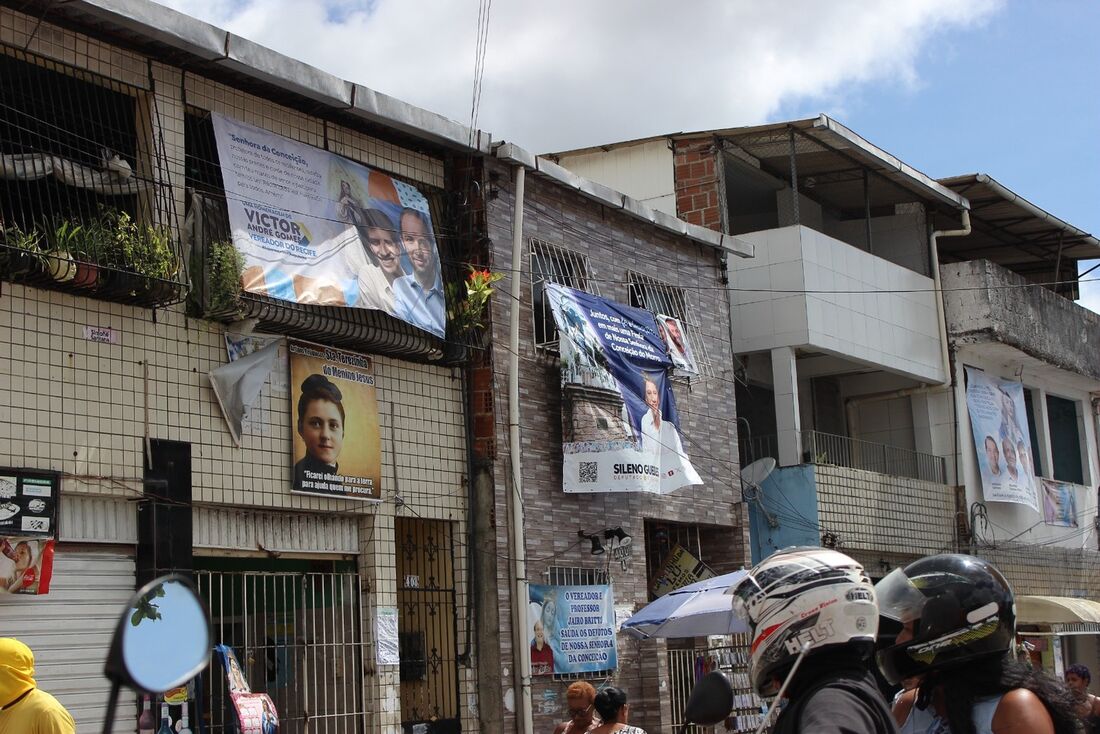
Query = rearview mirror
x=162 y=640
x=711 y=700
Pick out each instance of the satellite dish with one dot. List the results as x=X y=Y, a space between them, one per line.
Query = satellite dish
x=751 y=476
x=757 y=471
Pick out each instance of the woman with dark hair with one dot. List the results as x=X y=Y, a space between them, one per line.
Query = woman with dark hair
x=321 y=426
x=614 y=711
x=951 y=621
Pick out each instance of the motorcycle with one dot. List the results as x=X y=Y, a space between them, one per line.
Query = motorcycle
x=162 y=640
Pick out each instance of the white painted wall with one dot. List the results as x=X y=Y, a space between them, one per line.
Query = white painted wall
x=896 y=331
x=1018 y=521
x=644 y=171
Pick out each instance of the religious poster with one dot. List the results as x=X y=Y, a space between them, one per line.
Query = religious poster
x=256 y=712
x=572 y=629
x=1059 y=503
x=619 y=423
x=998 y=421
x=316 y=228
x=679 y=348
x=337 y=448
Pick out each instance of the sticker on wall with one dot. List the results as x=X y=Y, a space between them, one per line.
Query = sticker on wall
x=386 y=639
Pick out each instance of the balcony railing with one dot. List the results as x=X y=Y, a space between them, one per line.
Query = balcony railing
x=853 y=453
x=826 y=448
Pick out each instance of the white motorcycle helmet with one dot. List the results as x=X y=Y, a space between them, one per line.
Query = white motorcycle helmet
x=813 y=597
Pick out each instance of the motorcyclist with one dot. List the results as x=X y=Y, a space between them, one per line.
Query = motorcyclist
x=813 y=618
x=952 y=619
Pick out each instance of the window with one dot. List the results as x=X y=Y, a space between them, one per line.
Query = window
x=553 y=264
x=669 y=300
x=1065 y=439
x=574 y=576
x=1036 y=454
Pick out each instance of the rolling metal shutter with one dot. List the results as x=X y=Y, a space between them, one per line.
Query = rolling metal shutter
x=69 y=629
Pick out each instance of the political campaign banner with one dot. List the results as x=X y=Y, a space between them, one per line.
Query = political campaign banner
x=256 y=713
x=619 y=421
x=316 y=228
x=998 y=421
x=337 y=448
x=571 y=629
x=1059 y=503
x=679 y=569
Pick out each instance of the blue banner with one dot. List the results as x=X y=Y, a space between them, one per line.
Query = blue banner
x=572 y=629
x=619 y=423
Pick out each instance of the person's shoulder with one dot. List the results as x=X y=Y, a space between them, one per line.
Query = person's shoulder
x=560 y=728
x=840 y=707
x=1020 y=710
x=51 y=717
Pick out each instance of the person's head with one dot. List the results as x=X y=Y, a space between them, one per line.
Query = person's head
x=540 y=633
x=23 y=555
x=611 y=704
x=1009 y=453
x=1008 y=408
x=790 y=598
x=579 y=697
x=954 y=610
x=1078 y=678
x=321 y=418
x=674 y=335
x=16 y=670
x=383 y=248
x=419 y=243
x=345 y=188
x=652 y=394
x=1025 y=456
x=992 y=454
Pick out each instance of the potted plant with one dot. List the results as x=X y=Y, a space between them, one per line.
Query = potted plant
x=468 y=309
x=63 y=243
x=23 y=250
x=219 y=294
x=141 y=254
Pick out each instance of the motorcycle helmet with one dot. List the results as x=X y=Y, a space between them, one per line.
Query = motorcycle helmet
x=954 y=609
x=802 y=597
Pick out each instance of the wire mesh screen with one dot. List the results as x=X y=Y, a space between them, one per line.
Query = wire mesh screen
x=298 y=638
x=554 y=264
x=669 y=300
x=427 y=626
x=85 y=197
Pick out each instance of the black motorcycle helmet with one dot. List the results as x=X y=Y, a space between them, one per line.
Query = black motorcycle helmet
x=961 y=609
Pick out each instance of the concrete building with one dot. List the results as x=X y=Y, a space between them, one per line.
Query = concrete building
x=853 y=370
x=104 y=387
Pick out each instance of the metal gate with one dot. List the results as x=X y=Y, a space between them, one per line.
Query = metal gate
x=687 y=665
x=427 y=626
x=299 y=639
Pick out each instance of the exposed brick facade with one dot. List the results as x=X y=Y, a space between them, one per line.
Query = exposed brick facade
x=698 y=183
x=614 y=245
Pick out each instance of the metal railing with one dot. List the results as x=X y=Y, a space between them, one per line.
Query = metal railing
x=853 y=453
x=826 y=448
x=687 y=666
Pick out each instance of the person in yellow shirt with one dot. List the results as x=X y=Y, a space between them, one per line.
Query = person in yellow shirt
x=25 y=708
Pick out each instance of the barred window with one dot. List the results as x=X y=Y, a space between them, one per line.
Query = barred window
x=578 y=576
x=554 y=264
x=669 y=300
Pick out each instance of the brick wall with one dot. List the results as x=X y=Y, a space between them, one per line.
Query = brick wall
x=614 y=244
x=698 y=183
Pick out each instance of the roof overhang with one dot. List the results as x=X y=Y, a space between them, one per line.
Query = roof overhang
x=1051 y=610
x=1013 y=232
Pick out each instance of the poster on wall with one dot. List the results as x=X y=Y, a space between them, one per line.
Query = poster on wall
x=1059 y=503
x=316 y=228
x=675 y=337
x=337 y=448
x=619 y=424
x=28 y=527
x=998 y=421
x=572 y=629
x=679 y=569
x=256 y=712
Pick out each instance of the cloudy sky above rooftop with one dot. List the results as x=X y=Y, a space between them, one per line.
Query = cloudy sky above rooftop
x=949 y=87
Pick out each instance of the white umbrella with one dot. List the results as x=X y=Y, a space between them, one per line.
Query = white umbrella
x=696 y=610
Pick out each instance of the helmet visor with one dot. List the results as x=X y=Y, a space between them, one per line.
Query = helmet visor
x=898 y=598
x=743 y=595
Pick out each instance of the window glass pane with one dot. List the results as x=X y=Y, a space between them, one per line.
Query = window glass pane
x=1065 y=440
x=1036 y=455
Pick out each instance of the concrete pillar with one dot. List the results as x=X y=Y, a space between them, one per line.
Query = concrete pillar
x=378 y=574
x=788 y=423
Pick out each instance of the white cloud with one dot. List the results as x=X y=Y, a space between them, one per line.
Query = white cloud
x=577 y=72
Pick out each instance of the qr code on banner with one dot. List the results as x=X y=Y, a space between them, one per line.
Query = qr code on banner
x=589 y=472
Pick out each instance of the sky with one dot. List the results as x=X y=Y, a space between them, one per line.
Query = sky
x=1003 y=87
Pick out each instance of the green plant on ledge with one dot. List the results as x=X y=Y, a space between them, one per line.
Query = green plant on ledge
x=468 y=310
x=142 y=249
x=223 y=283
